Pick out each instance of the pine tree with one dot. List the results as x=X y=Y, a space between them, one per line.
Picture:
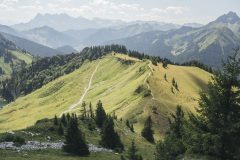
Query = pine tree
x=84 y=111
x=172 y=90
x=216 y=126
x=165 y=77
x=176 y=86
x=68 y=117
x=109 y=137
x=63 y=120
x=55 y=121
x=132 y=128
x=75 y=142
x=147 y=131
x=172 y=146
x=60 y=129
x=132 y=153
x=127 y=123
x=173 y=81
x=91 y=111
x=101 y=115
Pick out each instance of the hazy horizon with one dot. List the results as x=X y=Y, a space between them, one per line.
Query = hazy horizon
x=177 y=12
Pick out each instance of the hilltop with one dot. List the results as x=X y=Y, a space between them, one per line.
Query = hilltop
x=115 y=81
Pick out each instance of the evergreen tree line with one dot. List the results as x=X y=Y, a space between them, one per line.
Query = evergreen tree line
x=214 y=131
x=75 y=142
x=199 y=65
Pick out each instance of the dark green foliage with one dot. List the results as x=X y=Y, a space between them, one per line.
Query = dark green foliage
x=215 y=129
x=127 y=123
x=176 y=86
x=114 y=116
x=60 y=129
x=91 y=111
x=199 y=65
x=83 y=111
x=173 y=81
x=91 y=125
x=122 y=157
x=132 y=153
x=16 y=139
x=164 y=64
x=68 y=117
x=75 y=141
x=6 y=94
x=64 y=120
x=109 y=137
x=172 y=90
x=55 y=120
x=147 y=131
x=165 y=77
x=143 y=89
x=132 y=128
x=154 y=62
x=147 y=93
x=101 y=115
x=173 y=145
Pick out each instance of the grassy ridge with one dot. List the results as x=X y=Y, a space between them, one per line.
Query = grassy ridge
x=115 y=82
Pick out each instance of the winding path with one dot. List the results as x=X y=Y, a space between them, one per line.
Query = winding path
x=73 y=106
x=145 y=81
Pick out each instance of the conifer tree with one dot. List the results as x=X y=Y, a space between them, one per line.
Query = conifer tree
x=101 y=115
x=176 y=86
x=216 y=126
x=109 y=137
x=83 y=110
x=60 y=129
x=63 y=120
x=165 y=77
x=147 y=131
x=68 y=117
x=75 y=141
x=132 y=128
x=91 y=111
x=173 y=81
x=172 y=146
x=127 y=123
x=55 y=121
x=132 y=153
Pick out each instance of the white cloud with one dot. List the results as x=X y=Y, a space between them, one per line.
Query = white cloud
x=93 y=8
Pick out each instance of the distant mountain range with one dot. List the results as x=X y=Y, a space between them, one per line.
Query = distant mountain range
x=64 y=22
x=209 y=44
x=47 y=35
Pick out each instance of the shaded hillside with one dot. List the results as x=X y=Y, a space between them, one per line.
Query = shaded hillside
x=49 y=37
x=32 y=47
x=208 y=44
x=11 y=58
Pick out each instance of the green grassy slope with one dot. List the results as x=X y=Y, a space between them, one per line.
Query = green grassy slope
x=17 y=58
x=115 y=82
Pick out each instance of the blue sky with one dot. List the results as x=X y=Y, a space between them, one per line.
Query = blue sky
x=174 y=11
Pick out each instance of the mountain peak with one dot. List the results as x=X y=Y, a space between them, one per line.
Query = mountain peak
x=230 y=17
